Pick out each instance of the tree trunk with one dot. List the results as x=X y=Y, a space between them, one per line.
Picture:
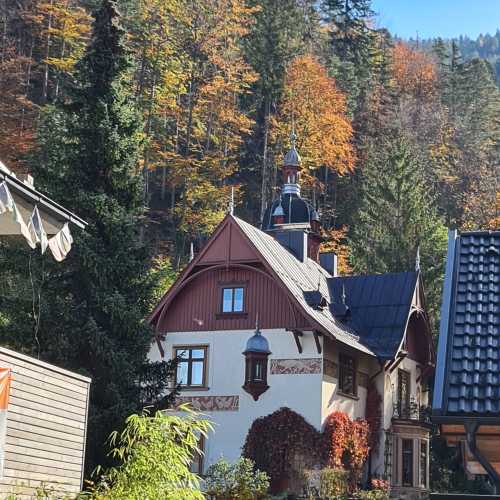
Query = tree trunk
x=45 y=83
x=263 y=193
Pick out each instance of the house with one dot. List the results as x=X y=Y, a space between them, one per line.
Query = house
x=466 y=402
x=262 y=320
x=43 y=408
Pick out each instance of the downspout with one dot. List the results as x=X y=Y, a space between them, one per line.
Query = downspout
x=471 y=429
x=382 y=365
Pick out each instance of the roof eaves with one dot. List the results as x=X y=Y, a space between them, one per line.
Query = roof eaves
x=31 y=194
x=438 y=404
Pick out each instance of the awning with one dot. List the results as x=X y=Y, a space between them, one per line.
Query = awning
x=28 y=213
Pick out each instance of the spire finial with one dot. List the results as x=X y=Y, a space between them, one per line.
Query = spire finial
x=231 y=201
x=417 y=260
x=257 y=323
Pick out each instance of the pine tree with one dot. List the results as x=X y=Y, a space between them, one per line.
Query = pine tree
x=94 y=304
x=352 y=43
x=396 y=217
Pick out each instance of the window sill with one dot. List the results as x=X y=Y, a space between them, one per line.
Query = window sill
x=232 y=315
x=191 y=389
x=350 y=396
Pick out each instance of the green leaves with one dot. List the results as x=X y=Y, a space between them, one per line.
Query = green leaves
x=155 y=453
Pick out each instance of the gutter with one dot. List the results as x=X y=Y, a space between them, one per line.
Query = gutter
x=31 y=194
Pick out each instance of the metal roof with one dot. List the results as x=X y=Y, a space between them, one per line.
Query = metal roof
x=379 y=307
x=468 y=365
x=300 y=277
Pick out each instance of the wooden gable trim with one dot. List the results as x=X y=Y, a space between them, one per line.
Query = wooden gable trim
x=420 y=309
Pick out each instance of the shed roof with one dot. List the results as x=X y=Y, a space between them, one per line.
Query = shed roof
x=468 y=365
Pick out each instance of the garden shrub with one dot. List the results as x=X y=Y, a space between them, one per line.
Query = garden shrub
x=327 y=483
x=273 y=442
x=241 y=481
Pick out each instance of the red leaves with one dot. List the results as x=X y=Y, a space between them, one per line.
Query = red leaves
x=275 y=440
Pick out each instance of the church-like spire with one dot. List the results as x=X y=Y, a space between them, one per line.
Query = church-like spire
x=291 y=168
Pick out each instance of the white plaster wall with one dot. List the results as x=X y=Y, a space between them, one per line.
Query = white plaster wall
x=226 y=368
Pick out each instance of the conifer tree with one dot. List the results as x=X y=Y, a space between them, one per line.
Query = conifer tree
x=94 y=304
x=397 y=217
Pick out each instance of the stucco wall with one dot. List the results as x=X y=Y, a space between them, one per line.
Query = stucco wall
x=226 y=365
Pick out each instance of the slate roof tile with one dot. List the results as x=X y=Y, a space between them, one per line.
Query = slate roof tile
x=471 y=381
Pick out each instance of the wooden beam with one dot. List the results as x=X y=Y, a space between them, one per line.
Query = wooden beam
x=296 y=335
x=317 y=335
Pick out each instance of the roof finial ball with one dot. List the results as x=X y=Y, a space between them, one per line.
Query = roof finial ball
x=256 y=354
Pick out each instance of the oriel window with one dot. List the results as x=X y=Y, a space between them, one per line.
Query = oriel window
x=192 y=367
x=233 y=299
x=347 y=375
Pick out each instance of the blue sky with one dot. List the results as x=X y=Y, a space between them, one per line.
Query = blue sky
x=432 y=18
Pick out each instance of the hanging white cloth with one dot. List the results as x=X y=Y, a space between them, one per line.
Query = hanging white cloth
x=33 y=231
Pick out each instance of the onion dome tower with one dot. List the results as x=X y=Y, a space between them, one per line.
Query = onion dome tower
x=291 y=212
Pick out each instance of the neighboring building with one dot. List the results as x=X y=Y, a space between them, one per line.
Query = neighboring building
x=466 y=401
x=321 y=339
x=44 y=445
x=43 y=408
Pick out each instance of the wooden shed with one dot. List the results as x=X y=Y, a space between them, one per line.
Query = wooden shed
x=46 y=428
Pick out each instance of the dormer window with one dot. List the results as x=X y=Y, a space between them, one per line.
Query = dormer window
x=233 y=299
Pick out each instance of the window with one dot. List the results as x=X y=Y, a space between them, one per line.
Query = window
x=197 y=462
x=403 y=394
x=423 y=464
x=347 y=375
x=192 y=367
x=233 y=299
x=407 y=462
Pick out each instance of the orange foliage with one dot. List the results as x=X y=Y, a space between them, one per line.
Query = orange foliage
x=414 y=71
x=317 y=109
x=336 y=241
x=348 y=444
x=16 y=110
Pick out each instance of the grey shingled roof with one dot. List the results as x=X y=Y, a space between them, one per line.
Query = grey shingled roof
x=300 y=277
x=379 y=306
x=468 y=366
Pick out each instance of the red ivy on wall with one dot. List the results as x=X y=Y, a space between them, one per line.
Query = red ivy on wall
x=274 y=440
x=373 y=414
x=348 y=444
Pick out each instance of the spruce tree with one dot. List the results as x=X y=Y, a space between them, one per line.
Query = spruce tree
x=352 y=44
x=94 y=304
x=396 y=217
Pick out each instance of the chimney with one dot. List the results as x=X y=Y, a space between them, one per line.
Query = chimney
x=328 y=261
x=294 y=240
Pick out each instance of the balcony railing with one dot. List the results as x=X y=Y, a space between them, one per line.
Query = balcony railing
x=412 y=411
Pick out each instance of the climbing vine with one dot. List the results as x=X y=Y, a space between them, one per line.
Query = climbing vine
x=373 y=415
x=274 y=442
x=348 y=444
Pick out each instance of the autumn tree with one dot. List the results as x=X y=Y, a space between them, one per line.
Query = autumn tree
x=283 y=30
x=315 y=108
x=208 y=124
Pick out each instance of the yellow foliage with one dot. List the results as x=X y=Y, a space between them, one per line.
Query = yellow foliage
x=316 y=108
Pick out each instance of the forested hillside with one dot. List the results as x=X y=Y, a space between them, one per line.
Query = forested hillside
x=484 y=46
x=145 y=124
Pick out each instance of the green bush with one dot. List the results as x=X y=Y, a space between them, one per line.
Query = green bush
x=240 y=481
x=327 y=483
